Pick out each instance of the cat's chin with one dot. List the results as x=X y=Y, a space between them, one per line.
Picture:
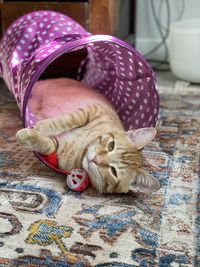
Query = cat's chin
x=90 y=168
x=87 y=159
x=85 y=163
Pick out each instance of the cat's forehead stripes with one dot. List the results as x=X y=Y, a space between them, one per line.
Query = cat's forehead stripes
x=130 y=159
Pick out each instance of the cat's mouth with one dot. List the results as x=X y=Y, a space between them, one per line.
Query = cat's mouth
x=91 y=168
x=88 y=163
x=88 y=158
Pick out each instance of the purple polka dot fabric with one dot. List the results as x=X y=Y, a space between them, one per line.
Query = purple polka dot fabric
x=111 y=66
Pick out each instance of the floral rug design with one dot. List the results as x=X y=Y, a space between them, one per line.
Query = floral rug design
x=42 y=223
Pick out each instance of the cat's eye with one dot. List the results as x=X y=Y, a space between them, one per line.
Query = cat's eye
x=113 y=171
x=111 y=146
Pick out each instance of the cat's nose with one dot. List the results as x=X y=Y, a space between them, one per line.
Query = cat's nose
x=95 y=160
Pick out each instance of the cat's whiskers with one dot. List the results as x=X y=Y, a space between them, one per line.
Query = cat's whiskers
x=90 y=151
x=96 y=177
x=93 y=169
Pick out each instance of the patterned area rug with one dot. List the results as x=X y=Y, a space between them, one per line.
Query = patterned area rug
x=42 y=223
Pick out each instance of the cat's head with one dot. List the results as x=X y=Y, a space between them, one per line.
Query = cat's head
x=114 y=162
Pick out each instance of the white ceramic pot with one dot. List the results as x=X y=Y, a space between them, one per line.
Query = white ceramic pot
x=184 y=49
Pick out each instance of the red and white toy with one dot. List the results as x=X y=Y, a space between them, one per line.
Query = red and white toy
x=77 y=180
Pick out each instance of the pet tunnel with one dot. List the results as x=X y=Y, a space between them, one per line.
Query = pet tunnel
x=37 y=40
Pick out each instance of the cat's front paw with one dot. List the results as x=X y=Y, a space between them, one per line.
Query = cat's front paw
x=42 y=127
x=27 y=138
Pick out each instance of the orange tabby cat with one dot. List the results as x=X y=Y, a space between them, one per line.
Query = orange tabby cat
x=89 y=135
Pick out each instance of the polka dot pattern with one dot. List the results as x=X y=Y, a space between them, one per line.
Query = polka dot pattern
x=127 y=80
x=112 y=67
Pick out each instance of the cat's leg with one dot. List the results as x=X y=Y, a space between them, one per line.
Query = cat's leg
x=69 y=121
x=33 y=140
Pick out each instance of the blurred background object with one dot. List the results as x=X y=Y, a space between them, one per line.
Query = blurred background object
x=156 y=37
x=153 y=19
x=114 y=17
x=184 y=52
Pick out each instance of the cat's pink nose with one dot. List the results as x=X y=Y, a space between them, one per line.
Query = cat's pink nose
x=95 y=160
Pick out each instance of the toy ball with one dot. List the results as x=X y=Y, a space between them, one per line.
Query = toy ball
x=77 y=180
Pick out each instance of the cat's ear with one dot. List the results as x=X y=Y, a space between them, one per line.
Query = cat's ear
x=144 y=182
x=142 y=136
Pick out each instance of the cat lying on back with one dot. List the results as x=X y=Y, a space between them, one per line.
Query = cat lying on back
x=89 y=135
